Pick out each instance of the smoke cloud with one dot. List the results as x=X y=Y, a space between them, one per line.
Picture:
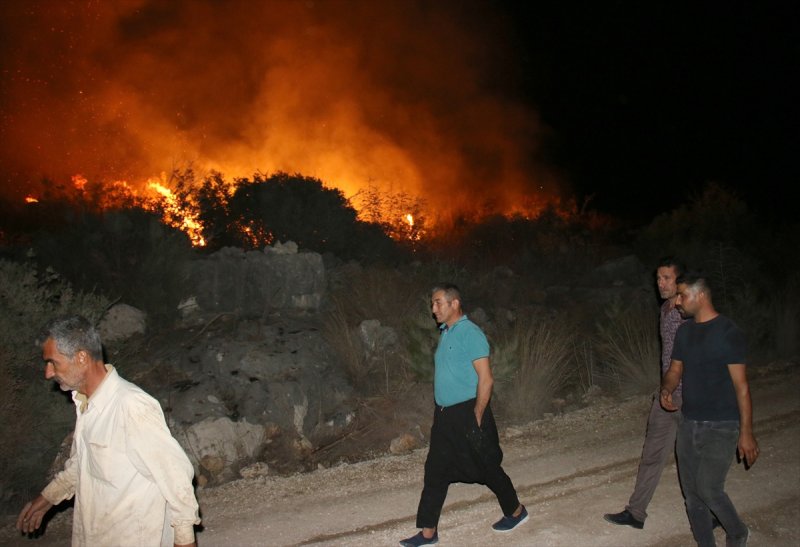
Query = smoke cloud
x=401 y=95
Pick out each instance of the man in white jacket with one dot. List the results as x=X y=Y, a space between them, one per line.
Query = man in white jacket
x=131 y=479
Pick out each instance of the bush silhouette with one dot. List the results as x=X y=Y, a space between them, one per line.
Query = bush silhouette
x=284 y=207
x=29 y=299
x=128 y=255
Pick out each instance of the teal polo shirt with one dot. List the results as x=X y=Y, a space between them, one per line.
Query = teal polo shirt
x=455 y=379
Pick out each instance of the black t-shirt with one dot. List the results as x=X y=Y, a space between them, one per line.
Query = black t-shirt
x=706 y=349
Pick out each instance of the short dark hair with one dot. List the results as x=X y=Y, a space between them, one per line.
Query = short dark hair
x=672 y=262
x=451 y=291
x=72 y=334
x=697 y=280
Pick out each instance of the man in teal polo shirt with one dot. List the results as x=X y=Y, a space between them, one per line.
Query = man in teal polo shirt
x=464 y=443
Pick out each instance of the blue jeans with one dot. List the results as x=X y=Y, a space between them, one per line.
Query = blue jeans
x=705 y=453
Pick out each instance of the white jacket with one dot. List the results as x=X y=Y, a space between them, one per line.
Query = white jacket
x=131 y=479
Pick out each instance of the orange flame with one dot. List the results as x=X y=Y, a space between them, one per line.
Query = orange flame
x=403 y=217
x=176 y=214
x=79 y=181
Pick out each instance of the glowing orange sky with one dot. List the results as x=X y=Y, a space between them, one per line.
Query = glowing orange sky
x=400 y=95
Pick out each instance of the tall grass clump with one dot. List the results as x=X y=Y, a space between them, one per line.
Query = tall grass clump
x=399 y=300
x=628 y=348
x=34 y=418
x=346 y=344
x=533 y=366
x=420 y=336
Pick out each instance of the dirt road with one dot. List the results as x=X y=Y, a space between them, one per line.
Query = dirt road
x=569 y=470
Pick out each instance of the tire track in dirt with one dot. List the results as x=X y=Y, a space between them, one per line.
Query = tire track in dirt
x=561 y=488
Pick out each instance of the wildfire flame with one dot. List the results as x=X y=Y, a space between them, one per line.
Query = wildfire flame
x=178 y=215
x=311 y=88
x=182 y=211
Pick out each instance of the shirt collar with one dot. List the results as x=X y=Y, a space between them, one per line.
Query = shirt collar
x=444 y=328
x=101 y=395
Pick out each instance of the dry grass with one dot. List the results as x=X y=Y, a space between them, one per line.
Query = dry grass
x=628 y=346
x=346 y=344
x=386 y=294
x=534 y=366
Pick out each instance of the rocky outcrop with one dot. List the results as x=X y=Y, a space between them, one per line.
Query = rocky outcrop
x=254 y=283
x=274 y=374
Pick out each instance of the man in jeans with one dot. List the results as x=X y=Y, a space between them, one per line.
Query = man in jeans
x=717 y=413
x=659 y=440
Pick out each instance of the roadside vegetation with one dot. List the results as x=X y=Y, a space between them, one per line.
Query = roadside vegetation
x=554 y=340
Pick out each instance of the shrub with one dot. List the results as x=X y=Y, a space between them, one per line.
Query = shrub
x=285 y=207
x=397 y=213
x=715 y=232
x=346 y=345
x=629 y=349
x=533 y=365
x=128 y=254
x=33 y=418
x=397 y=299
x=420 y=337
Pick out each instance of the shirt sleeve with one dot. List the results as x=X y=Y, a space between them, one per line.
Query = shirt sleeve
x=156 y=454
x=736 y=346
x=477 y=346
x=62 y=487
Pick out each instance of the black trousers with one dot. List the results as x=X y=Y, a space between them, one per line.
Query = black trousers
x=460 y=451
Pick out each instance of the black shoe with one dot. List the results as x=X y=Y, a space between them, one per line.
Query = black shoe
x=624 y=519
x=419 y=540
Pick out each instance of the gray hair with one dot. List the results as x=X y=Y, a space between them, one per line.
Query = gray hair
x=71 y=335
x=451 y=291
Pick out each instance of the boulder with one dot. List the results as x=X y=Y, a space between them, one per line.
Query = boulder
x=122 y=321
x=408 y=441
x=216 y=446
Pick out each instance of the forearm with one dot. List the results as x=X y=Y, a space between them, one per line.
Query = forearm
x=745 y=410
x=483 y=395
x=670 y=380
x=62 y=486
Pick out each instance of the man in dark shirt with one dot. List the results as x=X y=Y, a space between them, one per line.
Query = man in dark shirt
x=709 y=356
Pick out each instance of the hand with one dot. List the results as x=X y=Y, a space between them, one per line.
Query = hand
x=478 y=417
x=665 y=398
x=30 y=518
x=747 y=448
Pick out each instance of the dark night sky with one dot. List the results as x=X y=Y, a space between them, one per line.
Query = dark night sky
x=648 y=101
x=636 y=104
